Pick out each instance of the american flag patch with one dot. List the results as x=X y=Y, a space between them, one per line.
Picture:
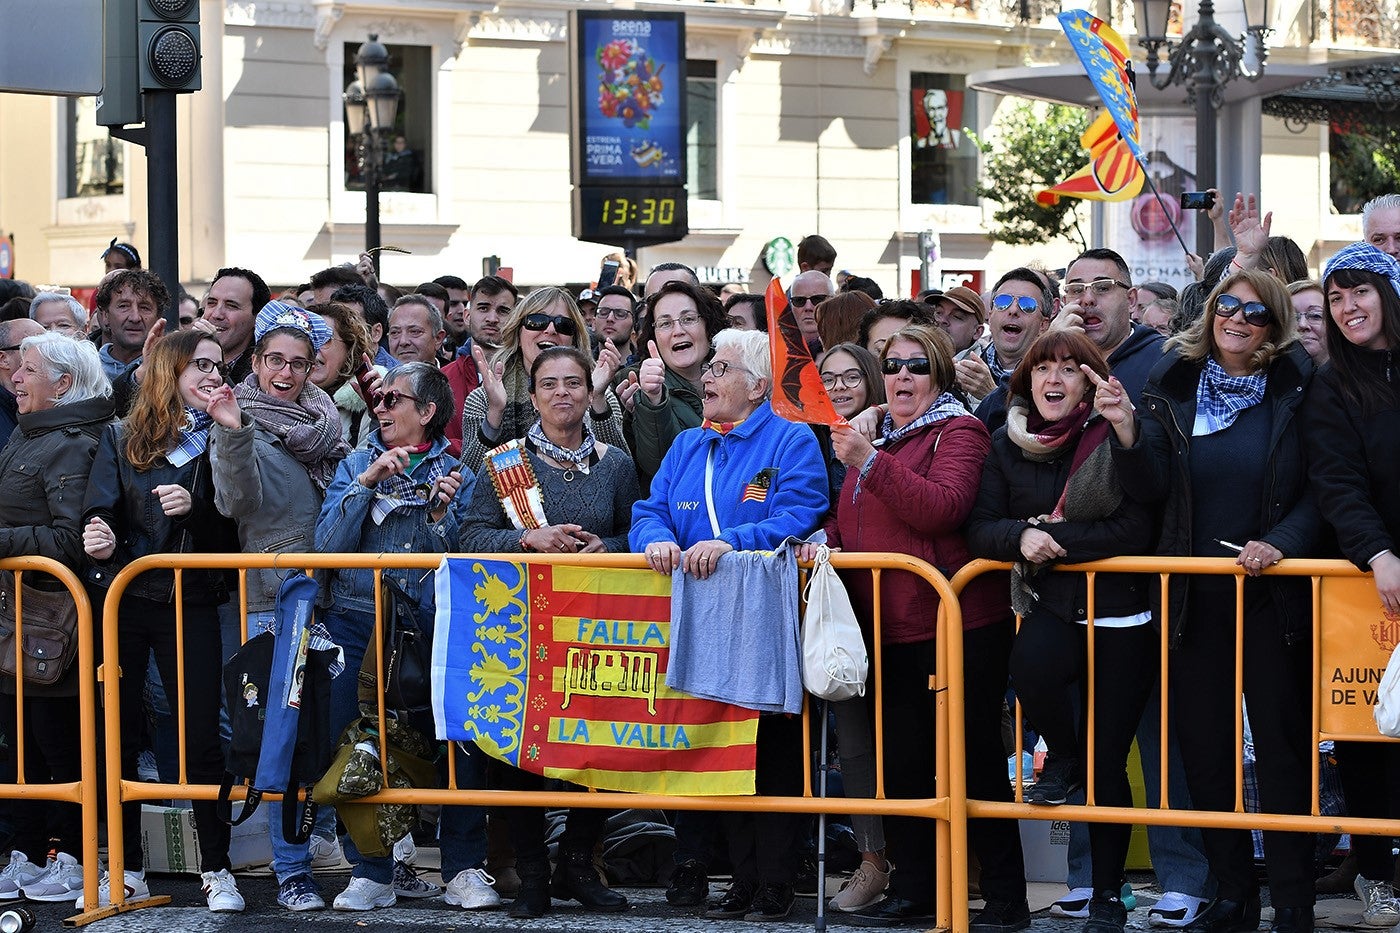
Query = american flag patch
x=757 y=488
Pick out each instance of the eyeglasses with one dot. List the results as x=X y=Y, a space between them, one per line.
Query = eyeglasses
x=621 y=314
x=1100 y=287
x=391 y=399
x=667 y=324
x=276 y=362
x=1313 y=314
x=1025 y=303
x=718 y=368
x=850 y=379
x=918 y=366
x=809 y=299
x=206 y=365
x=11 y=349
x=1255 y=312
x=564 y=326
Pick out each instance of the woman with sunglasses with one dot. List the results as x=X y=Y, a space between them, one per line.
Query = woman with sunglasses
x=399 y=494
x=1352 y=418
x=500 y=409
x=587 y=490
x=151 y=491
x=274 y=446
x=912 y=496
x=1217 y=445
x=1050 y=493
x=661 y=394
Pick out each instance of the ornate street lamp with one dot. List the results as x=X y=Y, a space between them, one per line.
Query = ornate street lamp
x=1204 y=60
x=371 y=107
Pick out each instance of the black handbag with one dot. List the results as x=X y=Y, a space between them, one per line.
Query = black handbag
x=408 y=656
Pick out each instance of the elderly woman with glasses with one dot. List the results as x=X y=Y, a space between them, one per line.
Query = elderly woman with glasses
x=1217 y=443
x=744 y=480
x=662 y=393
x=500 y=409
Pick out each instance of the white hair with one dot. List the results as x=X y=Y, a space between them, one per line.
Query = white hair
x=75 y=358
x=1384 y=202
x=753 y=352
x=827 y=283
x=75 y=307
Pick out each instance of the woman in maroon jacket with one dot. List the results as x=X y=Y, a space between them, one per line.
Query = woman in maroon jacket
x=912 y=496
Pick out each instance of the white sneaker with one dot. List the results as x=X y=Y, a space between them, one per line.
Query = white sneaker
x=1075 y=904
x=408 y=883
x=1174 y=909
x=18 y=873
x=406 y=850
x=471 y=890
x=135 y=887
x=62 y=880
x=325 y=853
x=364 y=894
x=1378 y=902
x=222 y=892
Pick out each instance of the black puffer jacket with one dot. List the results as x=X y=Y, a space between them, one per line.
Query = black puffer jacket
x=1015 y=488
x=1158 y=469
x=44 y=475
x=121 y=496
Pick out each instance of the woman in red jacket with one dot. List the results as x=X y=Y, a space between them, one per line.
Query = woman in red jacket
x=912 y=496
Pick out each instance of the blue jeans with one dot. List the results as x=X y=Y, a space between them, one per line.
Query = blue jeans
x=1178 y=855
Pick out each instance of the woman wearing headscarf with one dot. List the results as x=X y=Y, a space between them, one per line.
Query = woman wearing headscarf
x=1218 y=446
x=64 y=403
x=500 y=409
x=1050 y=493
x=151 y=491
x=1352 y=417
x=274 y=446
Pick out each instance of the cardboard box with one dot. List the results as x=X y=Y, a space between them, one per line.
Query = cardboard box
x=171 y=842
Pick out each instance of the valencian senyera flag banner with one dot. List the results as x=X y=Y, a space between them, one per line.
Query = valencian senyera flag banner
x=1111 y=175
x=561 y=671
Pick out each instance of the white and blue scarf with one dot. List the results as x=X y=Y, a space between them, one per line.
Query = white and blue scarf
x=578 y=459
x=194 y=437
x=1220 y=397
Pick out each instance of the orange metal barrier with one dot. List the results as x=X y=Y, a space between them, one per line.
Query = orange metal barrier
x=947 y=807
x=83 y=792
x=1165 y=568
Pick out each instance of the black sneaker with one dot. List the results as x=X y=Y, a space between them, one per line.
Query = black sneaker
x=1060 y=779
x=690 y=885
x=1106 y=915
x=735 y=903
x=1001 y=917
x=772 y=902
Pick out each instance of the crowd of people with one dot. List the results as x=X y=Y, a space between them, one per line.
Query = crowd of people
x=1062 y=416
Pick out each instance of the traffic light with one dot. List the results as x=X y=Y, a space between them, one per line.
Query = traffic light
x=168 y=44
x=119 y=104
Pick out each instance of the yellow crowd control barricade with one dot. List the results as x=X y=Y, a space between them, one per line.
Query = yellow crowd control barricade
x=1351 y=642
x=84 y=792
x=947 y=808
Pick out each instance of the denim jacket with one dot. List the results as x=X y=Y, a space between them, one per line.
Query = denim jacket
x=345 y=526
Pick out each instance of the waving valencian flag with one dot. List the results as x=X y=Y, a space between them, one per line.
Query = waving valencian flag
x=1112 y=173
x=798 y=393
x=1104 y=55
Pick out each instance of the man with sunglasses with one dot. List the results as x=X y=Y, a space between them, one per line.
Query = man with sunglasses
x=807 y=291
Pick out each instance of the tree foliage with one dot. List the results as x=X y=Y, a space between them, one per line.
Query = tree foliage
x=1031 y=146
x=1365 y=163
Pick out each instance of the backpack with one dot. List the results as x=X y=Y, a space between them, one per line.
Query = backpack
x=278 y=693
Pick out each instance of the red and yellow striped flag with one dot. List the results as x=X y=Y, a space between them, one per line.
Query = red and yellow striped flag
x=1111 y=175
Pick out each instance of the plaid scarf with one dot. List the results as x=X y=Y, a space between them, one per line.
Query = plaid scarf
x=945 y=406
x=309 y=427
x=403 y=490
x=1000 y=373
x=194 y=437
x=1221 y=397
x=579 y=457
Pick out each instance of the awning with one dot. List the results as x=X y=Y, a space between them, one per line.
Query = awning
x=1360 y=95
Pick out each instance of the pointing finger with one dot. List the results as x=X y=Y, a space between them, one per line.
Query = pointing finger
x=1094 y=377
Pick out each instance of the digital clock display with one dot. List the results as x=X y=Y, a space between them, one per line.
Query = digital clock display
x=617 y=214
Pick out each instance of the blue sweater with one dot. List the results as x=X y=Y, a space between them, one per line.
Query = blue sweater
x=793 y=503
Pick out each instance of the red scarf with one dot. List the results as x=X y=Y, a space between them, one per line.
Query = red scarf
x=1073 y=428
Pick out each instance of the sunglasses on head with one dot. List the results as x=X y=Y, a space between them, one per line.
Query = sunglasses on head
x=1025 y=303
x=1255 y=312
x=918 y=366
x=563 y=325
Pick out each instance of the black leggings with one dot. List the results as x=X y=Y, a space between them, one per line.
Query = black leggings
x=1049 y=664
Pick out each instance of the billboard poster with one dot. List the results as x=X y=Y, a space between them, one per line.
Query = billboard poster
x=942 y=161
x=1140 y=229
x=630 y=70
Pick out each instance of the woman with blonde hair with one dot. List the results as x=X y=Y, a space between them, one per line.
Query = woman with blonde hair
x=500 y=409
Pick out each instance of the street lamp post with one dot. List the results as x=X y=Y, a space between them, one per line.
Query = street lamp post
x=1205 y=60
x=371 y=106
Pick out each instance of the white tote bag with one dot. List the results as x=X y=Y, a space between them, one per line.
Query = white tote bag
x=1388 y=698
x=834 y=663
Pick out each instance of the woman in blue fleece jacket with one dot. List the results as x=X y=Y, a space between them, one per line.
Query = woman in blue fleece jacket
x=767 y=480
